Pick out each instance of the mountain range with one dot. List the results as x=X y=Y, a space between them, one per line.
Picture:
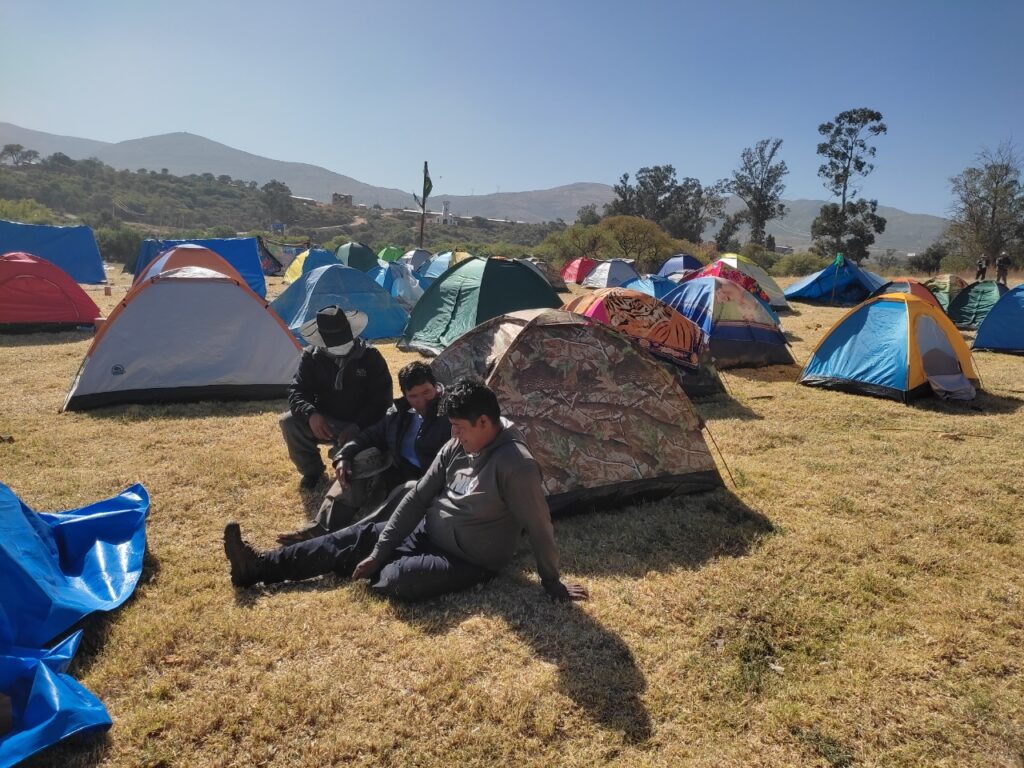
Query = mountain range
x=186 y=153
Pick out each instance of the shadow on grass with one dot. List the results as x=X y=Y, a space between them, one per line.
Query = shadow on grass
x=90 y=748
x=681 y=532
x=596 y=668
x=985 y=404
x=725 y=406
x=205 y=409
x=769 y=374
x=44 y=338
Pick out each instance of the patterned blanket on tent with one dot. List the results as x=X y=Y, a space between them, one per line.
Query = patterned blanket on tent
x=651 y=323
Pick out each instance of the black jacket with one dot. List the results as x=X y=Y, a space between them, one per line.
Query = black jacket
x=387 y=434
x=364 y=396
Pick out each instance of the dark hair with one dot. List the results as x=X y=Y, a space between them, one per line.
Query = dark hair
x=470 y=399
x=414 y=374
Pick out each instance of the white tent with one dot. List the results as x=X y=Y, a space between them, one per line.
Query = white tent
x=415 y=258
x=775 y=295
x=187 y=334
x=610 y=274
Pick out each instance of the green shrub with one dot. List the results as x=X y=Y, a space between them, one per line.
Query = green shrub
x=799 y=264
x=764 y=258
x=26 y=211
x=120 y=244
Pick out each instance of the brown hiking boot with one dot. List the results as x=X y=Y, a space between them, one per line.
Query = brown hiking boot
x=246 y=562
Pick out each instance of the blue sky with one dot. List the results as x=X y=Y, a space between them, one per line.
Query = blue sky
x=528 y=95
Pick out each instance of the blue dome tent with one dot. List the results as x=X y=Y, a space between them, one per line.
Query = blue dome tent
x=895 y=346
x=349 y=288
x=681 y=262
x=841 y=282
x=1002 y=330
x=741 y=329
x=653 y=285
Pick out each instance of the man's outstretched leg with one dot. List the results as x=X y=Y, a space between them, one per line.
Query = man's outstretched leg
x=336 y=552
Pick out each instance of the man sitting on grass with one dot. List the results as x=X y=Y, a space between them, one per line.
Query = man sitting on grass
x=409 y=437
x=459 y=526
x=342 y=386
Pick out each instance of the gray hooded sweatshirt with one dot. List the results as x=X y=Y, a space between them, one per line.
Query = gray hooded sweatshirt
x=477 y=506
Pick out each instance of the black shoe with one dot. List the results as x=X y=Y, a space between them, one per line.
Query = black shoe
x=246 y=562
x=309 y=482
x=311 y=531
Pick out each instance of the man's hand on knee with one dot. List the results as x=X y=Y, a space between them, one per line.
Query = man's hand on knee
x=342 y=471
x=366 y=568
x=320 y=427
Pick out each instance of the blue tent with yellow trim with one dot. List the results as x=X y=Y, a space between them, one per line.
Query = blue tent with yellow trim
x=895 y=346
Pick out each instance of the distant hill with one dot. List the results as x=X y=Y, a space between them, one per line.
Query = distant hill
x=186 y=153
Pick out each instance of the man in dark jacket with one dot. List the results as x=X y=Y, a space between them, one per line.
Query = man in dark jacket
x=342 y=386
x=410 y=434
x=1002 y=267
x=982 y=265
x=458 y=526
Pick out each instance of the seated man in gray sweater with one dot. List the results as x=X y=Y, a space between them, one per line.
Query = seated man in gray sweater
x=459 y=526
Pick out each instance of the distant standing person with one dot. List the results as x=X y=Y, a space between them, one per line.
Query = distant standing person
x=1002 y=267
x=982 y=269
x=342 y=387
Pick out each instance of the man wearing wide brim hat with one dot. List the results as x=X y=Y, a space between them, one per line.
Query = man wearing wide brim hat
x=374 y=469
x=341 y=387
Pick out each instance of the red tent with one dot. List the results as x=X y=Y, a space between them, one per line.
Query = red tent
x=37 y=295
x=577 y=269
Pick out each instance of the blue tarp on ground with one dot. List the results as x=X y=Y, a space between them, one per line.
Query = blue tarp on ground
x=242 y=253
x=1003 y=328
x=73 y=249
x=845 y=283
x=56 y=569
x=350 y=289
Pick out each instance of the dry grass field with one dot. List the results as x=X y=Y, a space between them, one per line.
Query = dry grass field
x=855 y=599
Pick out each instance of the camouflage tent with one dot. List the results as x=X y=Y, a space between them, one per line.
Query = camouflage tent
x=608 y=425
x=660 y=330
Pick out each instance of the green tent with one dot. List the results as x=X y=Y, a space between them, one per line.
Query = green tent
x=474 y=290
x=945 y=288
x=973 y=303
x=390 y=253
x=357 y=256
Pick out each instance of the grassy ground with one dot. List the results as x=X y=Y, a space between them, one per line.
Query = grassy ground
x=856 y=599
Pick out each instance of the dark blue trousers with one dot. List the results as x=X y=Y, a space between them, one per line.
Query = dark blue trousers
x=416 y=570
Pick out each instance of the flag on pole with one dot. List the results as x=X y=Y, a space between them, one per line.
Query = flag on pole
x=427 y=184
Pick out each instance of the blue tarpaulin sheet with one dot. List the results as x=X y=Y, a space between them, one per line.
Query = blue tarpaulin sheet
x=242 y=253
x=73 y=249
x=56 y=569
